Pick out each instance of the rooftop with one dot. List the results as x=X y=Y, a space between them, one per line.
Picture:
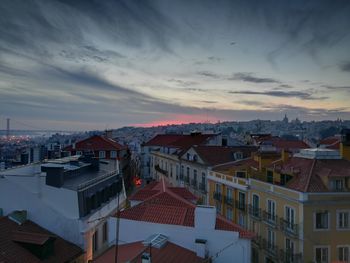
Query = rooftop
x=318 y=153
x=132 y=252
x=96 y=143
x=12 y=234
x=166 y=207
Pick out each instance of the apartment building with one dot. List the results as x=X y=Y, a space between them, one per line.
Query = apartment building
x=299 y=206
x=71 y=197
x=170 y=146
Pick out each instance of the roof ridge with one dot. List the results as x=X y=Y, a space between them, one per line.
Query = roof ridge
x=309 y=175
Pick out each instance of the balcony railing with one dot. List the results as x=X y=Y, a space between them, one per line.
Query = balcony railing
x=255 y=212
x=269 y=218
x=288 y=227
x=228 y=200
x=217 y=196
x=280 y=255
x=202 y=187
x=241 y=205
x=194 y=184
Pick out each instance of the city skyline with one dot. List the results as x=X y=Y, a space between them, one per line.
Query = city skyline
x=82 y=65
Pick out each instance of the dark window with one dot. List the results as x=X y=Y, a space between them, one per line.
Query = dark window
x=269 y=176
x=240 y=174
x=105 y=232
x=285 y=178
x=95 y=241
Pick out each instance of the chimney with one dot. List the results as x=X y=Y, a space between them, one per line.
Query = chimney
x=146 y=258
x=73 y=146
x=205 y=217
x=201 y=248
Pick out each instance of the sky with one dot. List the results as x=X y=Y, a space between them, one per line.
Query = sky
x=84 y=65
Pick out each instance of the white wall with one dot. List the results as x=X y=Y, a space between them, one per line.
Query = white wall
x=132 y=231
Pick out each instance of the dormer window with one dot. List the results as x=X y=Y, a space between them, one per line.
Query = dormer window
x=337 y=185
x=238 y=155
x=189 y=156
x=195 y=158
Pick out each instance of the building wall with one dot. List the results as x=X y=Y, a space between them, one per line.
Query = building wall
x=332 y=237
x=238 y=250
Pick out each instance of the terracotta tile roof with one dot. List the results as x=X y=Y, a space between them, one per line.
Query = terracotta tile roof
x=154 y=188
x=331 y=142
x=11 y=251
x=214 y=155
x=96 y=143
x=168 y=208
x=308 y=173
x=289 y=145
x=170 y=253
x=178 y=140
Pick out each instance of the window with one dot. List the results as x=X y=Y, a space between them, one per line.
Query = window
x=79 y=153
x=241 y=201
x=188 y=156
x=195 y=175
x=271 y=238
x=337 y=185
x=182 y=171
x=271 y=210
x=255 y=255
x=343 y=219
x=218 y=207
x=229 y=193
x=289 y=214
x=188 y=172
x=289 y=250
x=229 y=214
x=255 y=205
x=113 y=154
x=343 y=253
x=171 y=170
x=218 y=188
x=241 y=174
x=95 y=241
x=105 y=232
x=195 y=158
x=177 y=172
x=285 y=178
x=102 y=154
x=321 y=220
x=321 y=255
x=269 y=175
x=241 y=219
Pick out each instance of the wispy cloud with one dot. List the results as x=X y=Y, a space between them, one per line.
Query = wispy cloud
x=249 y=77
x=281 y=94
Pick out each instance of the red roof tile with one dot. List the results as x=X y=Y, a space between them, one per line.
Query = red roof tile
x=248 y=162
x=170 y=253
x=178 y=140
x=331 y=142
x=96 y=143
x=154 y=188
x=11 y=251
x=307 y=173
x=214 y=155
x=168 y=208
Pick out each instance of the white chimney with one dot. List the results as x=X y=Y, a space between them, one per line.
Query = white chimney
x=201 y=247
x=205 y=217
x=146 y=258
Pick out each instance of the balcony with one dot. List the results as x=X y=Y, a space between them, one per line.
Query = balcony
x=160 y=170
x=254 y=212
x=202 y=187
x=228 y=200
x=194 y=184
x=217 y=196
x=288 y=227
x=241 y=205
x=279 y=255
x=270 y=219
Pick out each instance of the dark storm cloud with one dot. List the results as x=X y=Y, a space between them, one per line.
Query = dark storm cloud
x=282 y=94
x=249 y=77
x=345 y=66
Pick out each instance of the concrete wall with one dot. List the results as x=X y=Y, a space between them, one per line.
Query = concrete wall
x=238 y=250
